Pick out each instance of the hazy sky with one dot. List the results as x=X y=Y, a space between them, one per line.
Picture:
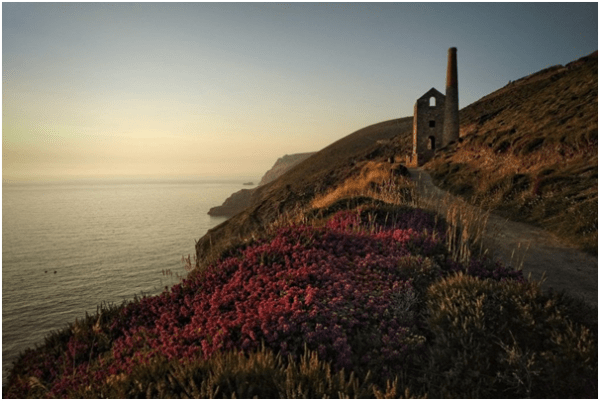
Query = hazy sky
x=222 y=89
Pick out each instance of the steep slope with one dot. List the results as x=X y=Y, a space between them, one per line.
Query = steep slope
x=530 y=151
x=297 y=187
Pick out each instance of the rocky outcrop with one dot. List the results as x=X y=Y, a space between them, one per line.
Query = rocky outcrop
x=240 y=200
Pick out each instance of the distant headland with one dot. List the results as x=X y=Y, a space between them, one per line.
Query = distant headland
x=241 y=199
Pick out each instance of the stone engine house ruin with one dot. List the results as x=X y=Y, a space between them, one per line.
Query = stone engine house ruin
x=428 y=125
x=435 y=119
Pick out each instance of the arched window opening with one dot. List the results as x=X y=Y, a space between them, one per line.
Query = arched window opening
x=432 y=101
x=431 y=143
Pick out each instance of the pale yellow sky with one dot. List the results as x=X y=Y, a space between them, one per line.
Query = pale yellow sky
x=224 y=89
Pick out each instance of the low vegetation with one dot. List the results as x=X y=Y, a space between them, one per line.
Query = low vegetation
x=360 y=302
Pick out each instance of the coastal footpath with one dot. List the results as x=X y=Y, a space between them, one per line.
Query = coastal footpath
x=536 y=251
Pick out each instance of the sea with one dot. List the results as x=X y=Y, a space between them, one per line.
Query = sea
x=69 y=246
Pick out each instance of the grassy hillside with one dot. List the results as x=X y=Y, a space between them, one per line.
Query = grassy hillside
x=530 y=151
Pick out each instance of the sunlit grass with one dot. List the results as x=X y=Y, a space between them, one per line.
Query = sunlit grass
x=377 y=180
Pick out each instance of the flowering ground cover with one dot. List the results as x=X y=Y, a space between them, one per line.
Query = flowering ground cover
x=352 y=293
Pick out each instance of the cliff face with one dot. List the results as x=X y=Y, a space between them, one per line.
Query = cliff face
x=282 y=165
x=240 y=200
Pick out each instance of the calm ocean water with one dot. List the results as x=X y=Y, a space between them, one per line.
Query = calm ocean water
x=107 y=241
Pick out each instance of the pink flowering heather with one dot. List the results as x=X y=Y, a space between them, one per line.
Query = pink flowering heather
x=347 y=292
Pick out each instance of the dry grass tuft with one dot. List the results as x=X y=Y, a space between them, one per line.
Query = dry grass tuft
x=507 y=339
x=466 y=225
x=377 y=180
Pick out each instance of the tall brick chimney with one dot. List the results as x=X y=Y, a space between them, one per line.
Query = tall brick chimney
x=451 y=123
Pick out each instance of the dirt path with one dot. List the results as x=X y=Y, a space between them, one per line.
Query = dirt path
x=566 y=268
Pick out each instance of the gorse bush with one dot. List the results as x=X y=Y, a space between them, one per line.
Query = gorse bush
x=361 y=306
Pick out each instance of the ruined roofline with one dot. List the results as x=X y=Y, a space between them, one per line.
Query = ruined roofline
x=432 y=92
